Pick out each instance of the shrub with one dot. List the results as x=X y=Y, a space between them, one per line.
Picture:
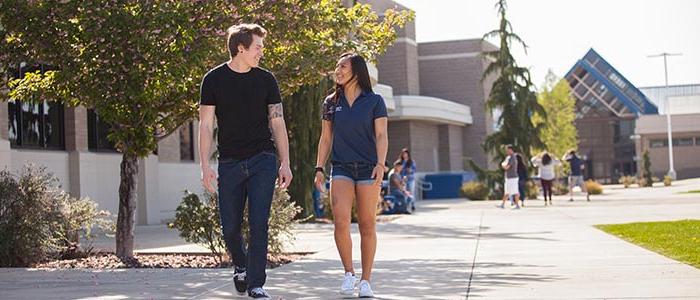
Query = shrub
x=648 y=180
x=531 y=190
x=198 y=222
x=667 y=180
x=475 y=190
x=593 y=187
x=38 y=220
x=559 y=188
x=642 y=182
x=627 y=180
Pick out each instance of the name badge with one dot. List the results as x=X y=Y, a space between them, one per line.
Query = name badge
x=339 y=108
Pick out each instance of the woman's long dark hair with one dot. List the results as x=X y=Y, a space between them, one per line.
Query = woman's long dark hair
x=546 y=159
x=359 y=71
x=409 y=161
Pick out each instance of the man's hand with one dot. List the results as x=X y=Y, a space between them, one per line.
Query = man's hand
x=208 y=177
x=284 y=177
x=378 y=174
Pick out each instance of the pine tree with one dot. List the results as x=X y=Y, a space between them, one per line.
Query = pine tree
x=513 y=95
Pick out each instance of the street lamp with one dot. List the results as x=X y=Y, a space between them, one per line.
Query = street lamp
x=671 y=171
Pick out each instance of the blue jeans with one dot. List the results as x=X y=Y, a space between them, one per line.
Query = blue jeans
x=251 y=179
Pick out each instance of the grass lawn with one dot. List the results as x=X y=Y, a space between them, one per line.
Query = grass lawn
x=691 y=192
x=679 y=240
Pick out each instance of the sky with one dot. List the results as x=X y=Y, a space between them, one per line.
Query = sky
x=559 y=32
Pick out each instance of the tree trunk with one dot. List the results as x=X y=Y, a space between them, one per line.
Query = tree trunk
x=127 y=206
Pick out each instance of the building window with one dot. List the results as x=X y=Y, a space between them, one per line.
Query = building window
x=97 y=134
x=186 y=142
x=683 y=142
x=697 y=141
x=658 y=143
x=35 y=125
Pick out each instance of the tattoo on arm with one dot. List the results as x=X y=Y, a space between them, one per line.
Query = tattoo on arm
x=275 y=111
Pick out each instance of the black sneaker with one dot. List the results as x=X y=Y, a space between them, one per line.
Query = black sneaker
x=240 y=280
x=258 y=293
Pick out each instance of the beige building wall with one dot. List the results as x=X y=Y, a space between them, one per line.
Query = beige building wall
x=686 y=158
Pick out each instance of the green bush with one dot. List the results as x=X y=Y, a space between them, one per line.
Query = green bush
x=38 y=220
x=474 y=190
x=593 y=187
x=559 y=188
x=667 y=180
x=531 y=190
x=198 y=222
x=627 y=180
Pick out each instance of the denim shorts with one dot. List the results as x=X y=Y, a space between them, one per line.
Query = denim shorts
x=356 y=172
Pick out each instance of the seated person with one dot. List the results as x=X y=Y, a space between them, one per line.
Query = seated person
x=397 y=191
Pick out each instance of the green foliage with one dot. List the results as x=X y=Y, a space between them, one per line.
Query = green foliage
x=38 y=220
x=303 y=114
x=593 y=187
x=559 y=188
x=679 y=240
x=627 y=180
x=475 y=190
x=647 y=179
x=531 y=190
x=139 y=64
x=667 y=180
x=198 y=222
x=558 y=132
x=512 y=95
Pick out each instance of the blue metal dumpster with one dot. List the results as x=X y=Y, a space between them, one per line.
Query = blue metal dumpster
x=446 y=185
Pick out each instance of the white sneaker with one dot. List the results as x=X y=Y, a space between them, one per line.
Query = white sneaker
x=365 y=290
x=348 y=286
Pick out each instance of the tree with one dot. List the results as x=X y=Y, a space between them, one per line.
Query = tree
x=647 y=178
x=138 y=64
x=513 y=95
x=558 y=132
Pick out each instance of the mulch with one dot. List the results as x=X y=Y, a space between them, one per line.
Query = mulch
x=105 y=260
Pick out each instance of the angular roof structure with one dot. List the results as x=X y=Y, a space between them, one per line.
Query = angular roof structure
x=601 y=89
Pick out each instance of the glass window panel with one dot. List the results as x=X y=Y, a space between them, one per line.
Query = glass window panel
x=30 y=125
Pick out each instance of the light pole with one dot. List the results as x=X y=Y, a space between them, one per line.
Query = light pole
x=671 y=170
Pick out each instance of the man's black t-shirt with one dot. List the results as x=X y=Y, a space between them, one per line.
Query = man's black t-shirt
x=241 y=101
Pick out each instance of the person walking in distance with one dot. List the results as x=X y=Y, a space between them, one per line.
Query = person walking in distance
x=248 y=107
x=510 y=165
x=576 y=175
x=354 y=129
x=546 y=168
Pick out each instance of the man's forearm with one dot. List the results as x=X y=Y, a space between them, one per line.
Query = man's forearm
x=205 y=140
x=281 y=142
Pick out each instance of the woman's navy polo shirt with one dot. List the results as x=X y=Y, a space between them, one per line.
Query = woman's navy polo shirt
x=354 y=138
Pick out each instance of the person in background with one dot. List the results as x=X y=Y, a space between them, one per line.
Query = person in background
x=546 y=170
x=408 y=174
x=576 y=175
x=510 y=165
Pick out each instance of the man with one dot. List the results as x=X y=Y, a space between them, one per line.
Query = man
x=247 y=104
x=510 y=165
x=576 y=175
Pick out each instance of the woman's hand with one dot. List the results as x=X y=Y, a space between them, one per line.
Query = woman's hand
x=378 y=174
x=320 y=182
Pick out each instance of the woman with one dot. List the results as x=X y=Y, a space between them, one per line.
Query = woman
x=354 y=129
x=546 y=172
x=408 y=173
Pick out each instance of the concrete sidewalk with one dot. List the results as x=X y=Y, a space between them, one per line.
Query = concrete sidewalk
x=449 y=250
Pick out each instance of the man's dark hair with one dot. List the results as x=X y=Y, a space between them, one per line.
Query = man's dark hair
x=242 y=34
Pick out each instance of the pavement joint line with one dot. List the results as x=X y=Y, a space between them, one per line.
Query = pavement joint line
x=209 y=291
x=476 y=250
